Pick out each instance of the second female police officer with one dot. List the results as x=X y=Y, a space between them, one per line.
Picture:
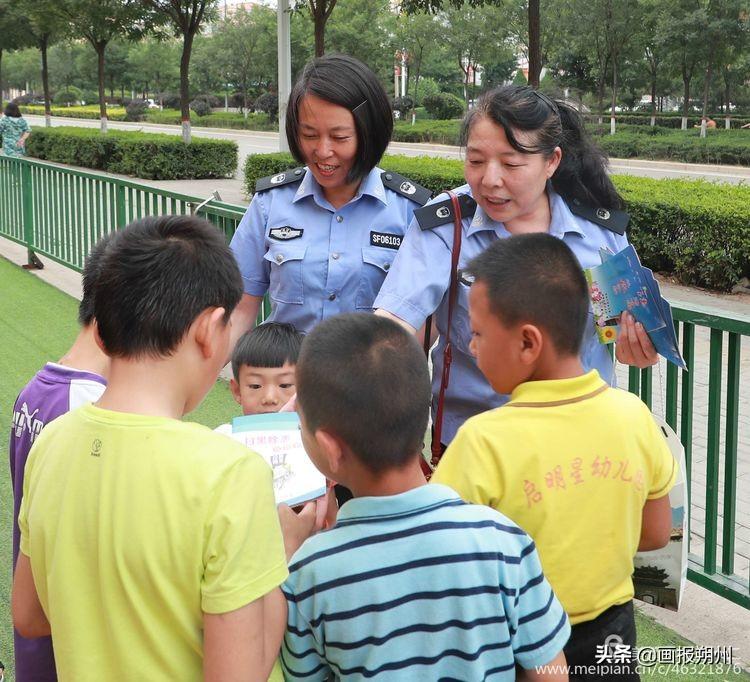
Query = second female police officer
x=529 y=168
x=321 y=238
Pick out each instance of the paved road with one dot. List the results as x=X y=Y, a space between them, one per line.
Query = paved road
x=253 y=142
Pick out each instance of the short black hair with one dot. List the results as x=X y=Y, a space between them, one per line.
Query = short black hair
x=365 y=378
x=157 y=275
x=12 y=110
x=271 y=344
x=536 y=278
x=91 y=270
x=346 y=81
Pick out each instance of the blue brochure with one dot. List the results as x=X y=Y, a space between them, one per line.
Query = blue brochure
x=622 y=284
x=277 y=438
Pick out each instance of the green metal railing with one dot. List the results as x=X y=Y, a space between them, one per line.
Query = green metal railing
x=720 y=529
x=59 y=213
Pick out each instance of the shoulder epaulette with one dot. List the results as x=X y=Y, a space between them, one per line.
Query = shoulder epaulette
x=405 y=187
x=608 y=218
x=280 y=179
x=441 y=213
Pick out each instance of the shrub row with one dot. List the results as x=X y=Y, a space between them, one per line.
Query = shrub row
x=216 y=120
x=143 y=155
x=630 y=141
x=719 y=146
x=166 y=117
x=697 y=231
x=669 y=120
x=88 y=111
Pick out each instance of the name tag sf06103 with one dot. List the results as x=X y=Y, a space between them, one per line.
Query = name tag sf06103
x=385 y=239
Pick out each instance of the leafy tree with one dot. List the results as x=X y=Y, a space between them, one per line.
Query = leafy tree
x=246 y=50
x=187 y=17
x=727 y=23
x=14 y=33
x=475 y=36
x=528 y=32
x=153 y=65
x=45 y=27
x=416 y=33
x=22 y=70
x=99 y=22
x=207 y=72
x=320 y=11
x=683 y=27
x=364 y=29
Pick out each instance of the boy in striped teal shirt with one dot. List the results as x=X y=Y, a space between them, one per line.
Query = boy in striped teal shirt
x=411 y=583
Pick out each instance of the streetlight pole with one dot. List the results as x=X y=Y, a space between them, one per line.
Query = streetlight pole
x=285 y=67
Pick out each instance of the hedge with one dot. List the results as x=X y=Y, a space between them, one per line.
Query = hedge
x=630 y=141
x=668 y=120
x=719 y=146
x=143 y=155
x=697 y=231
x=88 y=111
x=217 y=119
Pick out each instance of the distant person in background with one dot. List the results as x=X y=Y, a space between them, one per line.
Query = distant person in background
x=13 y=131
x=710 y=123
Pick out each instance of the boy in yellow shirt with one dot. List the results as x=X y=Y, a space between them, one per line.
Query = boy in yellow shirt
x=151 y=547
x=580 y=466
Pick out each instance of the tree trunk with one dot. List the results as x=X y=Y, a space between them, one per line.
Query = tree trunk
x=43 y=42
x=1 y=77
x=601 y=100
x=706 y=89
x=612 y=122
x=319 y=22
x=187 y=47
x=100 y=48
x=728 y=111
x=535 y=46
x=416 y=87
x=686 y=96
x=653 y=98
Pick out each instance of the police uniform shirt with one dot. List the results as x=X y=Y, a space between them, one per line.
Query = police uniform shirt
x=314 y=260
x=417 y=285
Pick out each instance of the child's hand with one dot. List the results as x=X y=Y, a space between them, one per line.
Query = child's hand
x=633 y=345
x=326 y=508
x=296 y=528
x=290 y=405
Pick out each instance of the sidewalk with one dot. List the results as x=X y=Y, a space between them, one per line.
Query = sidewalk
x=704 y=618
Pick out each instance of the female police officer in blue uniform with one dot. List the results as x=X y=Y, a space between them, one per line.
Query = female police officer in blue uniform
x=529 y=168
x=321 y=238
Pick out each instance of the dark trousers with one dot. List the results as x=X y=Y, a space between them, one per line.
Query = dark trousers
x=615 y=626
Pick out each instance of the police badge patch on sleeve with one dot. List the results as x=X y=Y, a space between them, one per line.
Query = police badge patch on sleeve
x=385 y=239
x=284 y=234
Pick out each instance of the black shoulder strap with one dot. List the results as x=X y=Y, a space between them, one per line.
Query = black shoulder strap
x=608 y=218
x=280 y=179
x=405 y=187
x=441 y=213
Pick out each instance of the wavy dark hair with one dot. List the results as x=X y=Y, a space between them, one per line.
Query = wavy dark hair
x=582 y=173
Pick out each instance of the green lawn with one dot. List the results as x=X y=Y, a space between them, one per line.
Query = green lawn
x=39 y=324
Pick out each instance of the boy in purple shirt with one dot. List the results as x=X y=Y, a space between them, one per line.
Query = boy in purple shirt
x=78 y=378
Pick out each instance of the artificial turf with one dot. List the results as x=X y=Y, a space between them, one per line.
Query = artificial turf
x=37 y=324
